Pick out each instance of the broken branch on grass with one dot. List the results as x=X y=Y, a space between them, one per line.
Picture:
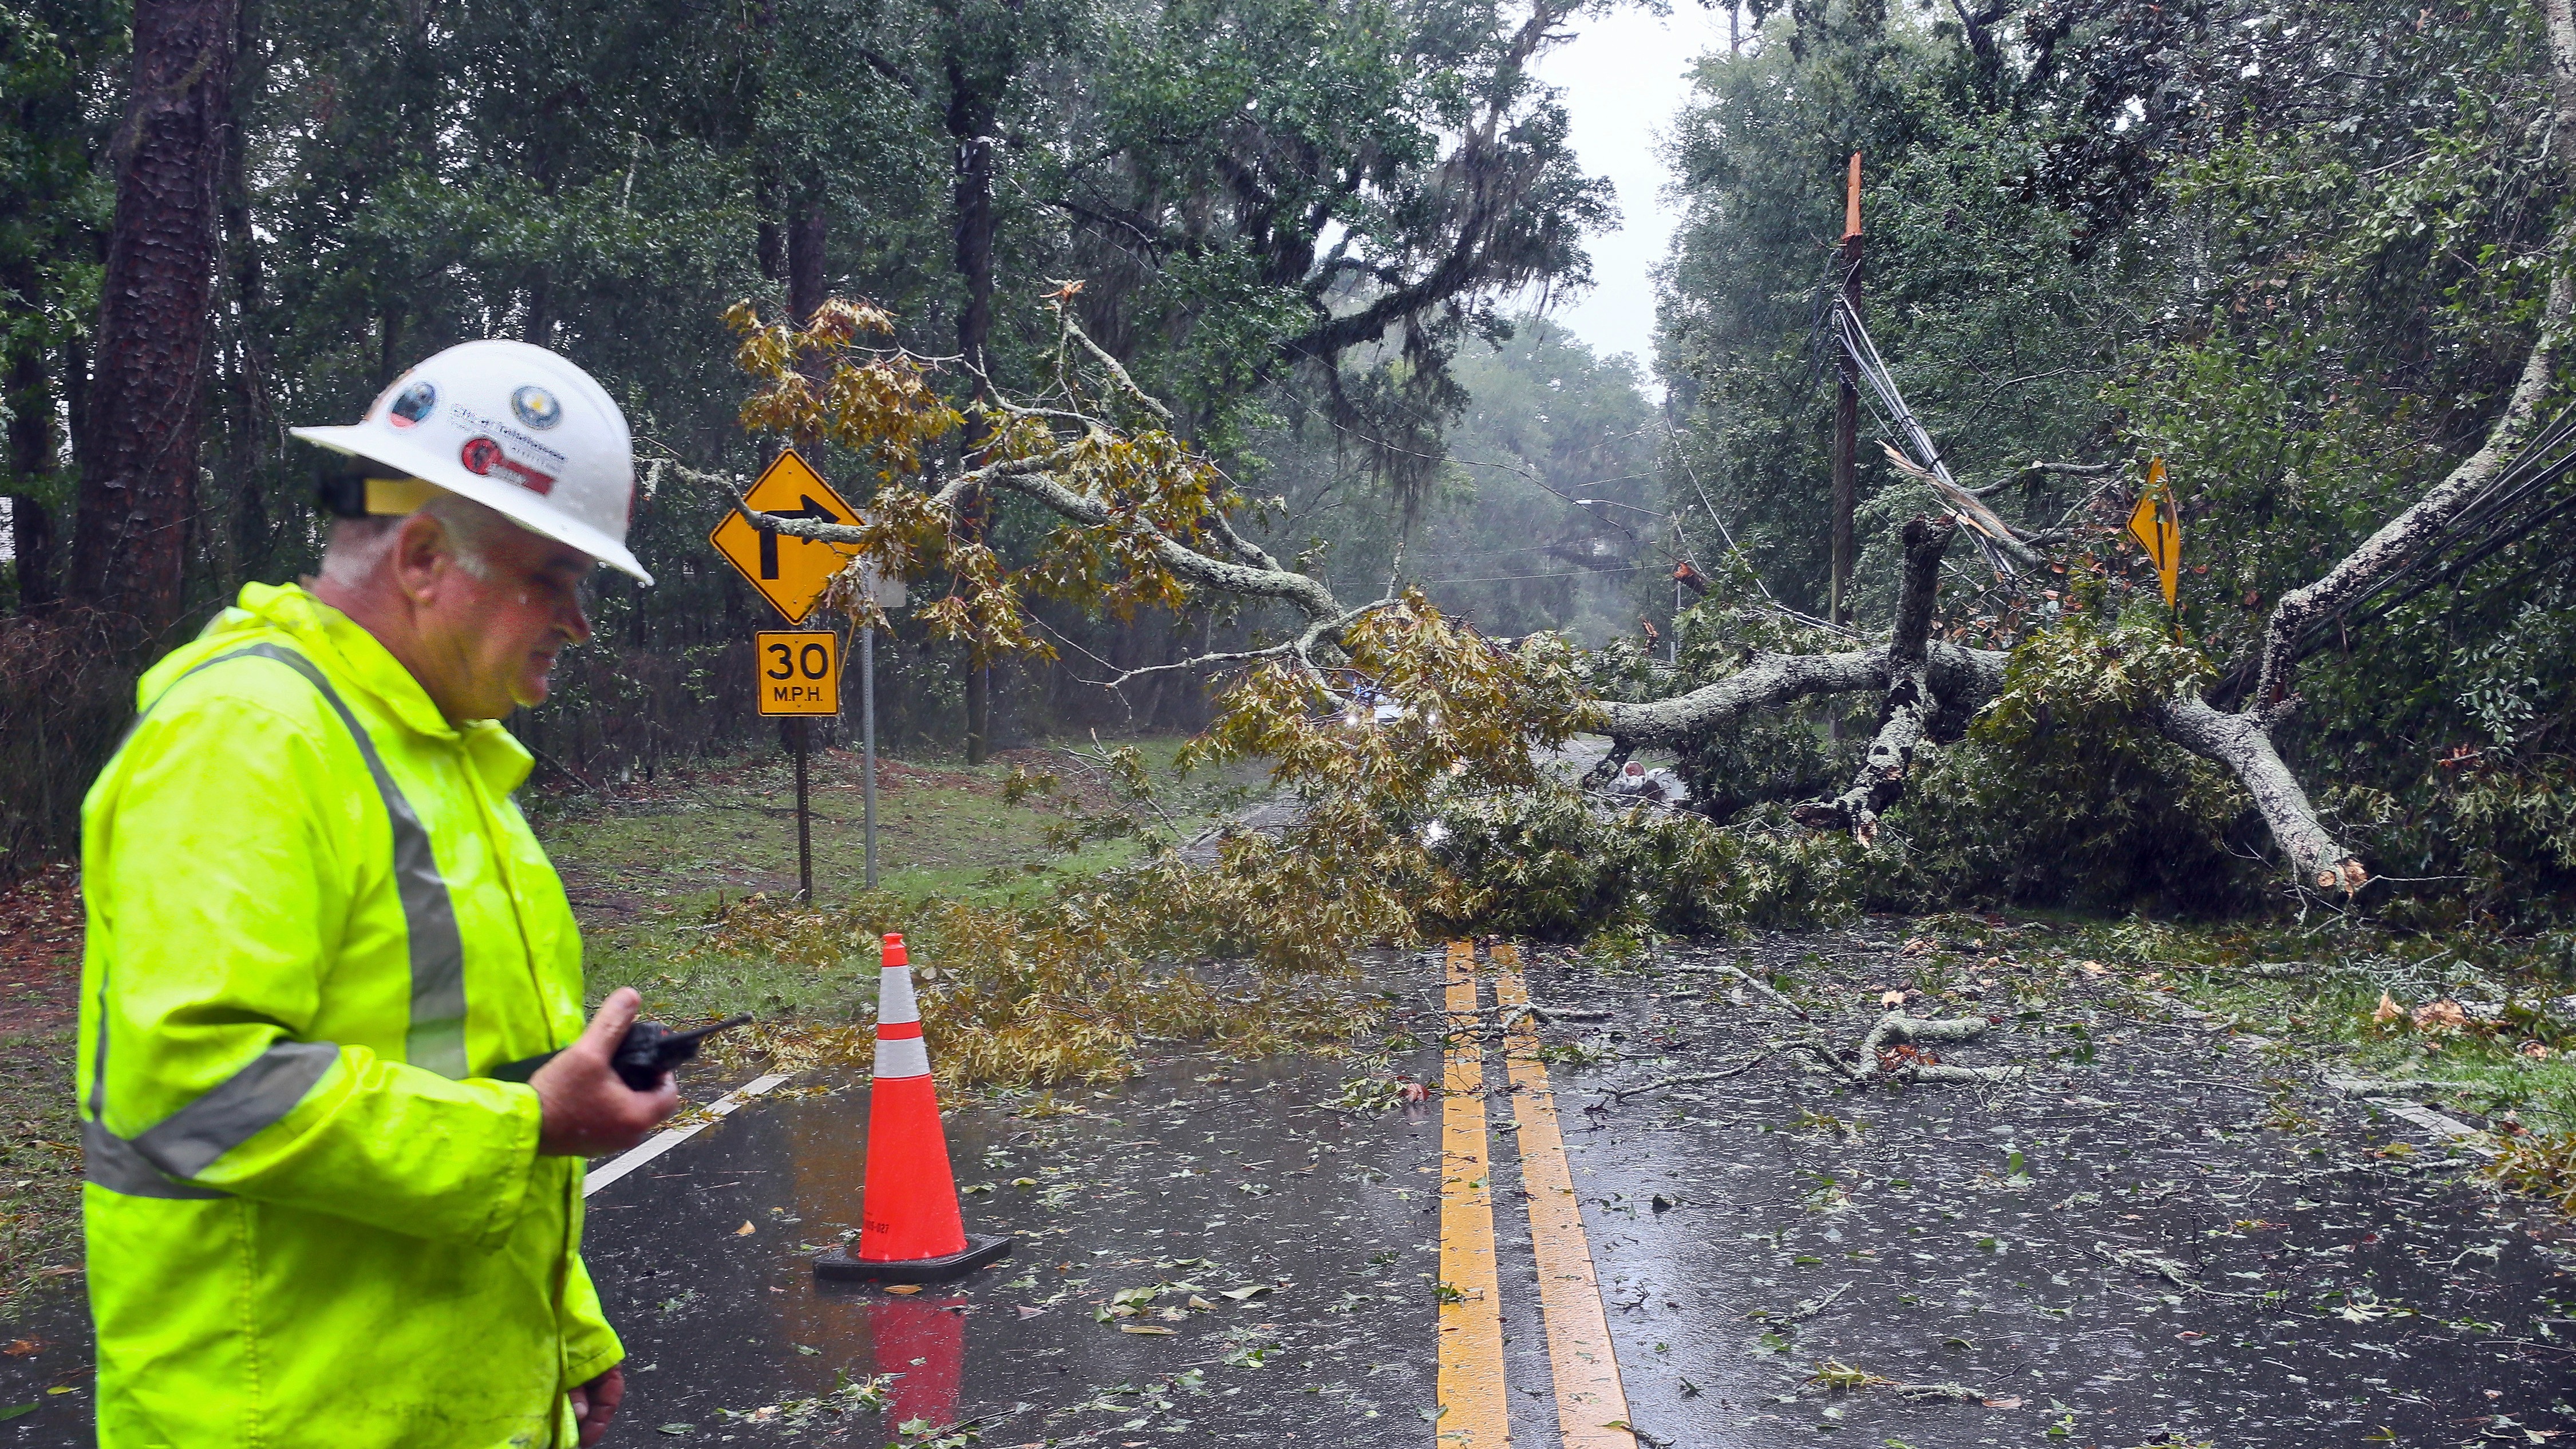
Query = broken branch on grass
x=2243 y=744
x=2284 y=970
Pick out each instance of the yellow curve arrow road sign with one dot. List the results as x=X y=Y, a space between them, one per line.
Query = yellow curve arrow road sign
x=789 y=572
x=2157 y=525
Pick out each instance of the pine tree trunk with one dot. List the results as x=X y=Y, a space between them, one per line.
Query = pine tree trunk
x=145 y=393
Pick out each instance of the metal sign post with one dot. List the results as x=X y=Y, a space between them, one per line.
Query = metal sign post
x=868 y=737
x=804 y=819
x=800 y=670
x=800 y=677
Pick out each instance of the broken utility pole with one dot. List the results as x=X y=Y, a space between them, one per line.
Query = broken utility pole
x=1846 y=411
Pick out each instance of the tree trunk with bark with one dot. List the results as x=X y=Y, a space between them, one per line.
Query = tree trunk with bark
x=1905 y=715
x=139 y=457
x=253 y=427
x=808 y=279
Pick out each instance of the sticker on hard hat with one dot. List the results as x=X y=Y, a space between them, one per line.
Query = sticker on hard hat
x=466 y=420
x=482 y=456
x=536 y=407
x=415 y=403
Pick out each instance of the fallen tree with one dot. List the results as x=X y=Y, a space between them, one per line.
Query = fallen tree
x=1143 y=519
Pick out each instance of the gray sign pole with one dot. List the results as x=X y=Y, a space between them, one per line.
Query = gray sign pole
x=868 y=737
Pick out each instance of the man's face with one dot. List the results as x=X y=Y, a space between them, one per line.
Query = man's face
x=495 y=639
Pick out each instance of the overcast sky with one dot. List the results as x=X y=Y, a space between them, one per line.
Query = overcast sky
x=1623 y=78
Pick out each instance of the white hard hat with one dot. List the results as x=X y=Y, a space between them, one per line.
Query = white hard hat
x=515 y=428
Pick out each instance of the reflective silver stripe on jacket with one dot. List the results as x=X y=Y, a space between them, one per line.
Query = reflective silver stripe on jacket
x=231 y=1113
x=436 y=1039
x=111 y=1162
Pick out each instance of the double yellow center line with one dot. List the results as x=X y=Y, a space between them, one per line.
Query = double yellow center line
x=1591 y=1405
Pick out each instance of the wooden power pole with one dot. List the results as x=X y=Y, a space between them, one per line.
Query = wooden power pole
x=1846 y=409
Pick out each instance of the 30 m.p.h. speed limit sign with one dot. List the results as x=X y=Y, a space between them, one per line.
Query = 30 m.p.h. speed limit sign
x=799 y=671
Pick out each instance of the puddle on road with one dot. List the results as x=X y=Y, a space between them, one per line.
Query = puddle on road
x=1312 y=1234
x=2025 y=1241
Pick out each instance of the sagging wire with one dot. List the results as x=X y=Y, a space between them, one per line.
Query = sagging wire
x=2486 y=524
x=1992 y=535
x=1682 y=457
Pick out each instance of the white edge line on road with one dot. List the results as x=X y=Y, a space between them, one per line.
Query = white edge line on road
x=602 y=1176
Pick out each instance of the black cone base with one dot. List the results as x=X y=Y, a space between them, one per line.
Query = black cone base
x=835 y=1265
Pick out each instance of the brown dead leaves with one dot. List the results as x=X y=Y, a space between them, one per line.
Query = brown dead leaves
x=2444 y=1015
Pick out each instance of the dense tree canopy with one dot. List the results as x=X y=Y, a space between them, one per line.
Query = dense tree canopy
x=1251 y=194
x=2300 y=252
x=2313 y=256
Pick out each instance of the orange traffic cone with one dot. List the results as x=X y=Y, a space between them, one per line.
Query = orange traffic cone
x=909 y=1230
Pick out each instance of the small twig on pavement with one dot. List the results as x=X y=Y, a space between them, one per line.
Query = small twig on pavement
x=1952 y=1393
x=1689 y=1079
x=1738 y=973
x=1812 y=1307
x=2140 y=1261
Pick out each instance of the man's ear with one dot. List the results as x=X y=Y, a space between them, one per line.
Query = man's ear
x=420 y=555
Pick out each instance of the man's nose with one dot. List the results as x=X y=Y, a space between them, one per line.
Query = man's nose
x=573 y=621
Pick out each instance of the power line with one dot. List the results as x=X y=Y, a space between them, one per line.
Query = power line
x=1569 y=574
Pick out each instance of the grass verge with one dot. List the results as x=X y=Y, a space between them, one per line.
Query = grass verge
x=1040 y=962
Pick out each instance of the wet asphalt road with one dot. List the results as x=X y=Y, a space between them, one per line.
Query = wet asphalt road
x=1308 y=1234
x=2155 y=1237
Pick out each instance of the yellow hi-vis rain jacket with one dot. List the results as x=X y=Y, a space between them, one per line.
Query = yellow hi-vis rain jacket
x=314 y=915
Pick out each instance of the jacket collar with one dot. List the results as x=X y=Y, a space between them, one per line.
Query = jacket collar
x=354 y=659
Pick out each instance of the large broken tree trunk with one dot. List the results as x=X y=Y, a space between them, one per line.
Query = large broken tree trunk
x=1905 y=715
x=1959 y=677
x=2242 y=741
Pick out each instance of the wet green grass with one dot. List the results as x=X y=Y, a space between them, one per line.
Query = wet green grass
x=652 y=871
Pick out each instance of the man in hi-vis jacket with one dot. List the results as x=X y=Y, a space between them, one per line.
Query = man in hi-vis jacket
x=317 y=922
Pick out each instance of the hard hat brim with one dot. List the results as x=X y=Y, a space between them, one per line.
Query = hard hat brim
x=518 y=505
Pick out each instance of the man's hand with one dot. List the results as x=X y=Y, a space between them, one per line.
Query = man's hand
x=595 y=1403
x=587 y=1109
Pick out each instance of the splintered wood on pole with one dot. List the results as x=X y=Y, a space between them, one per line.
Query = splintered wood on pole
x=1846 y=410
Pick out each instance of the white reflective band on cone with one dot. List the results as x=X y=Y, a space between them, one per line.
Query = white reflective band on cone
x=895 y=1002
x=906 y=1057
